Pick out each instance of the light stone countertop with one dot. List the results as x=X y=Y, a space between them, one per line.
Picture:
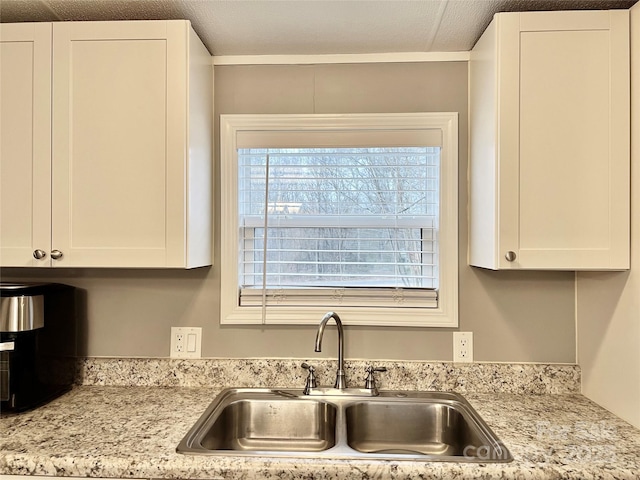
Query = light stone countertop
x=132 y=432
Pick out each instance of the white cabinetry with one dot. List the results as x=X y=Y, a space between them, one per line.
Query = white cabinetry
x=549 y=156
x=25 y=142
x=130 y=163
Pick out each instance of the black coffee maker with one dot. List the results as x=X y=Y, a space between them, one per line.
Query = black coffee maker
x=37 y=343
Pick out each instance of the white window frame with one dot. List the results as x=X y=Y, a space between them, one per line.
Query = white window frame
x=445 y=315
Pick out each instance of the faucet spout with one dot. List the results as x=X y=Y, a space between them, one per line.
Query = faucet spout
x=340 y=377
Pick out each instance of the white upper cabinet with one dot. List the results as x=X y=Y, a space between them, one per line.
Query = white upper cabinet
x=549 y=146
x=25 y=142
x=131 y=148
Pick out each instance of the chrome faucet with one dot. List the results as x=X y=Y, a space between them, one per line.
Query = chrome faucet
x=341 y=382
x=340 y=387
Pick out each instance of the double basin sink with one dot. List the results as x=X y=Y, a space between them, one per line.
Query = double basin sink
x=395 y=425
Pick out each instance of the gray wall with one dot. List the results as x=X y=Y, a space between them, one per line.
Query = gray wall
x=609 y=302
x=515 y=316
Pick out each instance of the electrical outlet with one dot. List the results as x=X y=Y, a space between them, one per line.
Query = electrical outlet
x=186 y=342
x=463 y=346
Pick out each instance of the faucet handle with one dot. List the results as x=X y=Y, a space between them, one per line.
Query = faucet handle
x=370 y=381
x=370 y=369
x=311 y=378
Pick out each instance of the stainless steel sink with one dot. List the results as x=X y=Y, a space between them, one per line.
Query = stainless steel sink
x=271 y=425
x=413 y=428
x=417 y=426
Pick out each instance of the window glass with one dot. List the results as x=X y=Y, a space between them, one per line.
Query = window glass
x=339 y=217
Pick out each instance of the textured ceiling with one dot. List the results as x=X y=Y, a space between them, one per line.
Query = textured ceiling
x=278 y=27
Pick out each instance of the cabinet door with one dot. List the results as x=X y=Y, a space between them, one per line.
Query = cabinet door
x=565 y=205
x=119 y=143
x=25 y=143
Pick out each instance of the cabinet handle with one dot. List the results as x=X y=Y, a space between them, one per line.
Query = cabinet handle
x=39 y=254
x=56 y=254
x=510 y=256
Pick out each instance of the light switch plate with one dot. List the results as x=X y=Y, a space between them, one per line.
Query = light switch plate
x=186 y=342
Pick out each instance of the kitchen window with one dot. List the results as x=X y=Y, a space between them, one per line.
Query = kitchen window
x=353 y=213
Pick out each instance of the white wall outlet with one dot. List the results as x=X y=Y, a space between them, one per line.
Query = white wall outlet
x=186 y=342
x=463 y=346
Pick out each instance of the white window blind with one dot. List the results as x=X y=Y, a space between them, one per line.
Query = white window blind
x=351 y=225
x=344 y=138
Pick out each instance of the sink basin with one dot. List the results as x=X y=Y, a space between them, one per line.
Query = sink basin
x=272 y=425
x=417 y=426
x=423 y=428
x=258 y=420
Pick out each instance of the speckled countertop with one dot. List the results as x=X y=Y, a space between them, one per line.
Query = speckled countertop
x=132 y=432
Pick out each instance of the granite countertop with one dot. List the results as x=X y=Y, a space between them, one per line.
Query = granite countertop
x=132 y=432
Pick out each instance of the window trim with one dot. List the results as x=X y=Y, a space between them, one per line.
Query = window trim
x=446 y=315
